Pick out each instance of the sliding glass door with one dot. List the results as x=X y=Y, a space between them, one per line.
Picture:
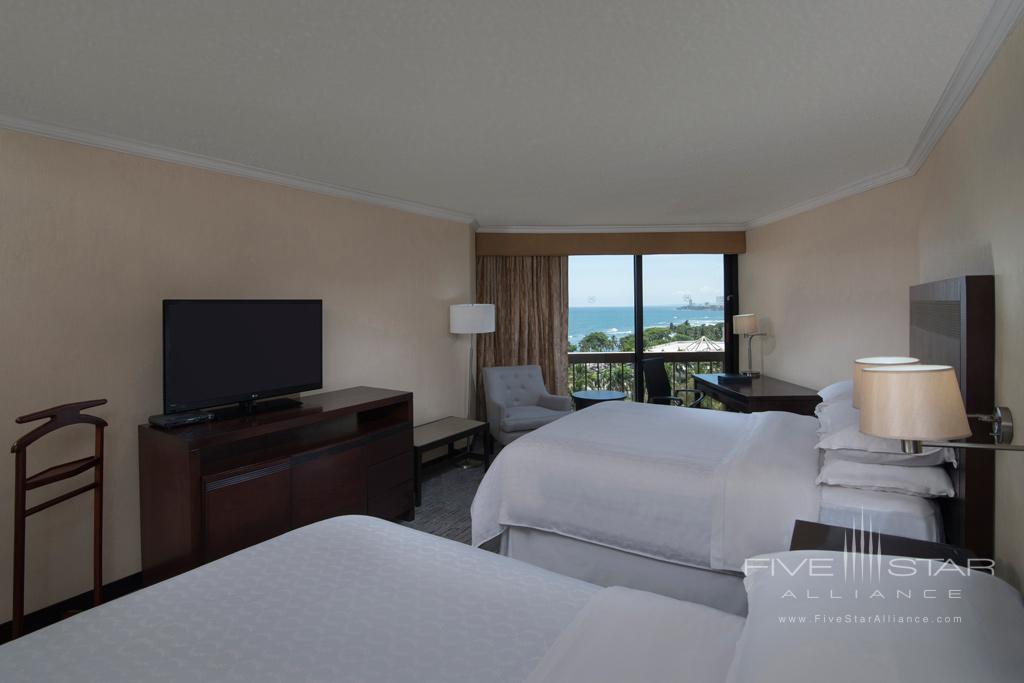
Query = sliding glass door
x=601 y=322
x=678 y=302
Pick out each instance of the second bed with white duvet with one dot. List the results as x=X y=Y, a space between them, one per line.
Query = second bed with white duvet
x=638 y=495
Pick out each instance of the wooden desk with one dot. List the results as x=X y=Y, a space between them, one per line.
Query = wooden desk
x=759 y=394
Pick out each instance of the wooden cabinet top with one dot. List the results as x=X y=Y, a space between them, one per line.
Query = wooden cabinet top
x=315 y=408
x=758 y=394
x=759 y=387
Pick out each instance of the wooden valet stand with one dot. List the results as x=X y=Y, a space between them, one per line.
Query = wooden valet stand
x=58 y=417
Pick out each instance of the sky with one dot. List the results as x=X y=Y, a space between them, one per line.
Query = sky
x=668 y=279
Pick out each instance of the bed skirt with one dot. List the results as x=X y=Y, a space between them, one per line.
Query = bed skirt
x=606 y=566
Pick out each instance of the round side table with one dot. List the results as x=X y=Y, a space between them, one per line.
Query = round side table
x=585 y=399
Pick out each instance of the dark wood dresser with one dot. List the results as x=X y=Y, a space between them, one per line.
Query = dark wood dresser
x=208 y=490
x=759 y=394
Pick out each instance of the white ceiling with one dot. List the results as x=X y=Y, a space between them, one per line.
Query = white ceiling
x=510 y=112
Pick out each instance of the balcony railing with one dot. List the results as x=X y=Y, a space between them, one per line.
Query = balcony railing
x=614 y=370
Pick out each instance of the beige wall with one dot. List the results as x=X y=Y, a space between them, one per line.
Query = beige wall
x=830 y=285
x=973 y=223
x=92 y=240
x=961 y=214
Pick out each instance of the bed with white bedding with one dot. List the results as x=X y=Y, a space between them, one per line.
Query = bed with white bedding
x=702 y=488
x=347 y=599
x=668 y=499
x=359 y=599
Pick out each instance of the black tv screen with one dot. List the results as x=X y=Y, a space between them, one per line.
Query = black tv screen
x=231 y=351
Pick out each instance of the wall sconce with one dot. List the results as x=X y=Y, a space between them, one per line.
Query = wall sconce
x=921 y=405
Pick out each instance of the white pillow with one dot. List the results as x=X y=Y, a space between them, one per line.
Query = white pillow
x=931 y=458
x=835 y=416
x=809 y=625
x=888 y=513
x=929 y=482
x=837 y=391
x=850 y=443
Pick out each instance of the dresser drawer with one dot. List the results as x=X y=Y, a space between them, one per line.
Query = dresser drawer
x=389 y=446
x=327 y=484
x=390 y=473
x=393 y=503
x=246 y=508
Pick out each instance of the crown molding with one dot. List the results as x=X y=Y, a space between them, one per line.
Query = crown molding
x=568 y=229
x=995 y=27
x=142 y=149
x=862 y=185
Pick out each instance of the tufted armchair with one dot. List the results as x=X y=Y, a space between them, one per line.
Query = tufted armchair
x=518 y=402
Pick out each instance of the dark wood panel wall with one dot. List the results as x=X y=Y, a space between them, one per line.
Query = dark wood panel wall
x=952 y=322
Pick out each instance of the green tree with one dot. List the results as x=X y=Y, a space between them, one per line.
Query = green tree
x=597 y=341
x=715 y=332
x=656 y=335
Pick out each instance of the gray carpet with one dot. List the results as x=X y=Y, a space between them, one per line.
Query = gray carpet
x=447 y=494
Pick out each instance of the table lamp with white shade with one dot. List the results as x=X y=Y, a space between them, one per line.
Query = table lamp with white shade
x=746 y=324
x=921 y=405
x=873 y=362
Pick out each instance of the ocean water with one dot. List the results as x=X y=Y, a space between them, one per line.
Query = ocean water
x=617 y=321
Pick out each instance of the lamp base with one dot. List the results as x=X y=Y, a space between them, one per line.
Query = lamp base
x=911 y=446
x=751 y=373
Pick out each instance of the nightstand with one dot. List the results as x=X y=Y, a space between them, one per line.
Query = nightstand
x=758 y=394
x=817 y=536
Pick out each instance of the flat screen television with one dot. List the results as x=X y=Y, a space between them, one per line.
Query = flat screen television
x=218 y=352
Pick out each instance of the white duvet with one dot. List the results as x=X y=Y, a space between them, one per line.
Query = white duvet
x=697 y=487
x=628 y=635
x=363 y=600
x=346 y=600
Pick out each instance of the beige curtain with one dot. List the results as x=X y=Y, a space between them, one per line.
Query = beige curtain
x=531 y=300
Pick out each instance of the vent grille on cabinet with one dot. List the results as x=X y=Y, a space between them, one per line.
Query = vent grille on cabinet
x=247 y=476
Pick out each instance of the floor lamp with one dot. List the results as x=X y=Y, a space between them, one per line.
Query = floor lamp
x=471 y=319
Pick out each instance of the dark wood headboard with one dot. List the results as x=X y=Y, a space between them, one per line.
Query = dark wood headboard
x=952 y=322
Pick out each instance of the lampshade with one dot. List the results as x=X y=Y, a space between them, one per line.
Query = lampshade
x=873 y=362
x=472 y=318
x=744 y=323
x=912 y=403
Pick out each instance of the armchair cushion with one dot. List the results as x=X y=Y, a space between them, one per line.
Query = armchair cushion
x=525 y=418
x=517 y=385
x=562 y=403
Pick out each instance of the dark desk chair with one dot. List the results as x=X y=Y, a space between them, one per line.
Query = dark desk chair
x=659 y=390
